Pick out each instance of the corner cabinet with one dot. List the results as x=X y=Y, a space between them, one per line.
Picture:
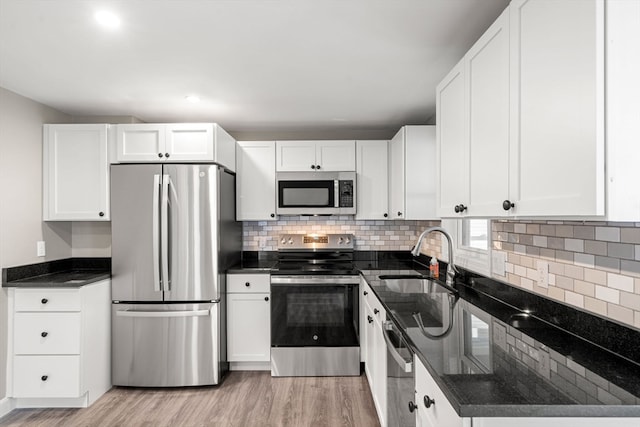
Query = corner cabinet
x=59 y=345
x=256 y=180
x=248 y=321
x=76 y=172
x=412 y=173
x=309 y=156
x=175 y=142
x=372 y=167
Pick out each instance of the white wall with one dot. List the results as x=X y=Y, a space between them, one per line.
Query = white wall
x=21 y=223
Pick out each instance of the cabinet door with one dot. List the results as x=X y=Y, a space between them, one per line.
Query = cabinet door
x=487 y=74
x=396 y=176
x=379 y=348
x=336 y=155
x=420 y=172
x=248 y=327
x=292 y=156
x=451 y=143
x=189 y=142
x=256 y=181
x=76 y=173
x=557 y=106
x=440 y=413
x=372 y=179
x=140 y=143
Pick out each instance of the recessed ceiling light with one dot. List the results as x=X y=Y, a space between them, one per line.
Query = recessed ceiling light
x=107 y=19
x=192 y=98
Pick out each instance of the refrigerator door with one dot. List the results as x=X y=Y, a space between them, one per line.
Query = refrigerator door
x=165 y=345
x=135 y=233
x=191 y=223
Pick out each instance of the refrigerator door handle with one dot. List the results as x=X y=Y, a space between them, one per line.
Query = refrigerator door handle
x=157 y=281
x=169 y=313
x=164 y=217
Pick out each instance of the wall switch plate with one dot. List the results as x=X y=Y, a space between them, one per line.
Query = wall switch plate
x=40 y=248
x=498 y=261
x=543 y=273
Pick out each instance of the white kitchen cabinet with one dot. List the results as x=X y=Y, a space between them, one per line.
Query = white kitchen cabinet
x=175 y=142
x=59 y=345
x=412 y=173
x=439 y=412
x=75 y=172
x=309 y=156
x=248 y=318
x=375 y=362
x=372 y=168
x=256 y=180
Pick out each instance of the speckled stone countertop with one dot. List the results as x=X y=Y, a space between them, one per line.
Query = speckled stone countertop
x=503 y=359
x=65 y=273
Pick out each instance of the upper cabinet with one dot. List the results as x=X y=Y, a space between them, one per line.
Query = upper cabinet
x=256 y=180
x=530 y=133
x=412 y=173
x=304 y=156
x=75 y=172
x=372 y=167
x=182 y=142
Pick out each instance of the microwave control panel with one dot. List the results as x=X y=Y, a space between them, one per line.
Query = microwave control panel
x=346 y=193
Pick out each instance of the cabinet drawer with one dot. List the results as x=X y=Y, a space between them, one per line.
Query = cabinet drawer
x=46 y=376
x=251 y=283
x=47 y=333
x=47 y=300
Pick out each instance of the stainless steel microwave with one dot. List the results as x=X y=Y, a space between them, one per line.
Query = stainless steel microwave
x=316 y=193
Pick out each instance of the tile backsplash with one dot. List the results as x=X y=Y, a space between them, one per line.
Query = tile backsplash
x=594 y=266
x=369 y=235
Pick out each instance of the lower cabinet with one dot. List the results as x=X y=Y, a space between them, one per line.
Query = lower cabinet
x=375 y=359
x=434 y=410
x=60 y=345
x=248 y=320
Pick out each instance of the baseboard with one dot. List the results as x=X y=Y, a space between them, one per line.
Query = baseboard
x=250 y=366
x=6 y=405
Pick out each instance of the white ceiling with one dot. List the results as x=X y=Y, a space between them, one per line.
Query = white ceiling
x=263 y=68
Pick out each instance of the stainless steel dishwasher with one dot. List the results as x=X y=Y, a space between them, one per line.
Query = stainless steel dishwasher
x=400 y=379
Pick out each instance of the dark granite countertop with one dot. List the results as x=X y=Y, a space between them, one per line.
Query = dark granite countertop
x=66 y=273
x=503 y=361
x=253 y=262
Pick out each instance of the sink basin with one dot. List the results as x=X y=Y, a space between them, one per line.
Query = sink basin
x=410 y=284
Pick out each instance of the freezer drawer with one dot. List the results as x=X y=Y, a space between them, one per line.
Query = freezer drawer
x=165 y=345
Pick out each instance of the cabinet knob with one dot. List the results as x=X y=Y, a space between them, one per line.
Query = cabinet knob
x=428 y=401
x=44 y=334
x=44 y=377
x=365 y=293
x=160 y=154
x=369 y=319
x=313 y=167
x=44 y=300
x=385 y=215
x=100 y=213
x=247 y=284
x=266 y=298
x=399 y=213
x=166 y=155
x=506 y=205
x=412 y=406
x=273 y=215
x=317 y=167
x=460 y=208
x=376 y=311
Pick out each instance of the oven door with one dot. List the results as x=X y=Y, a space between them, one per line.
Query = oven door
x=314 y=315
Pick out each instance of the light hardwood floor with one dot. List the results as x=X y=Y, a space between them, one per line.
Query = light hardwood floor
x=244 y=399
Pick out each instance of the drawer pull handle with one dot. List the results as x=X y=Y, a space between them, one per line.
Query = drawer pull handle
x=266 y=298
x=428 y=401
x=412 y=406
x=44 y=334
x=369 y=319
x=247 y=284
x=365 y=293
x=44 y=300
x=376 y=311
x=44 y=377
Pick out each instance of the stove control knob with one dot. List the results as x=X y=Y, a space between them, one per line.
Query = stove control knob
x=340 y=240
x=348 y=241
x=290 y=241
x=284 y=240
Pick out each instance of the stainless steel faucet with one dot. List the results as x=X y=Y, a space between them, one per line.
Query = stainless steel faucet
x=451 y=269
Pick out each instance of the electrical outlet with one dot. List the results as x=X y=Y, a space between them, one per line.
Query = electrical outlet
x=543 y=273
x=262 y=242
x=498 y=261
x=41 y=250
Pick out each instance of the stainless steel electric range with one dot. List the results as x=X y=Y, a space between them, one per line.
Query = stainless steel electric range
x=314 y=307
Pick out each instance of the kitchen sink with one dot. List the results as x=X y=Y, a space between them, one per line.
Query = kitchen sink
x=410 y=284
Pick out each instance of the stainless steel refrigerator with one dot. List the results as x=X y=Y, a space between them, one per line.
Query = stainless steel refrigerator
x=174 y=235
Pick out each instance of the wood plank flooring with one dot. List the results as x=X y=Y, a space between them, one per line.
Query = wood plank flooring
x=245 y=399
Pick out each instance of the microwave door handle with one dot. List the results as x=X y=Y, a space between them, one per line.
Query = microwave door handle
x=336 y=193
x=157 y=280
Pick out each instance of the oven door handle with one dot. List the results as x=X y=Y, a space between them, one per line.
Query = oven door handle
x=407 y=366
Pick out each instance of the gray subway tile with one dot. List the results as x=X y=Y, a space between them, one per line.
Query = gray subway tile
x=630 y=235
x=609 y=234
x=620 y=250
x=595 y=247
x=584 y=232
x=608 y=264
x=564 y=230
x=564 y=256
x=555 y=243
x=630 y=267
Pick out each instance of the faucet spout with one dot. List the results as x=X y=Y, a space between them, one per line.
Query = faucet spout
x=451 y=269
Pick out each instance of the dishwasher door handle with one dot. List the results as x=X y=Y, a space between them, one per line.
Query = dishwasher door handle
x=401 y=361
